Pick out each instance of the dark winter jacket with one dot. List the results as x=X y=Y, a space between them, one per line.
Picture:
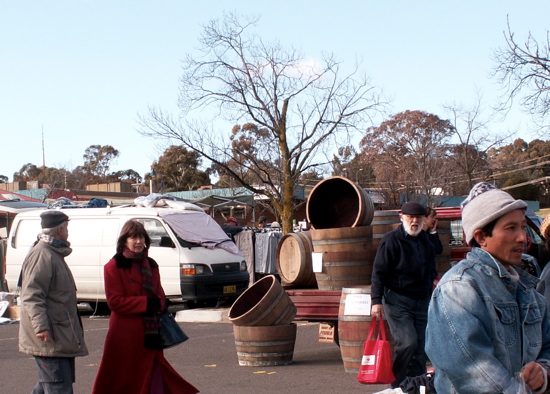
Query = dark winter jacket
x=400 y=267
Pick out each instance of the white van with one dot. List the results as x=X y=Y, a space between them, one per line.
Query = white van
x=197 y=260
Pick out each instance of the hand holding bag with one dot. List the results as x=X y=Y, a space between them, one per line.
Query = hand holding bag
x=170 y=332
x=376 y=364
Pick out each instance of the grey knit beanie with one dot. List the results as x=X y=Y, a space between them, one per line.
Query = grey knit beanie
x=484 y=204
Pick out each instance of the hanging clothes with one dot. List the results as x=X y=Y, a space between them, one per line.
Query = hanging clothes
x=245 y=243
x=265 y=252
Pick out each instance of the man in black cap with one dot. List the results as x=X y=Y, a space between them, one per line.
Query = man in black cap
x=402 y=282
x=50 y=328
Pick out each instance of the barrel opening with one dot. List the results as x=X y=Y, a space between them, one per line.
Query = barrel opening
x=252 y=297
x=334 y=204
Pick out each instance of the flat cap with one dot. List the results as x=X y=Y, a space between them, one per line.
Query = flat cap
x=413 y=208
x=53 y=218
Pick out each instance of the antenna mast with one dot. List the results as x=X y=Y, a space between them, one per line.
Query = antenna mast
x=43 y=151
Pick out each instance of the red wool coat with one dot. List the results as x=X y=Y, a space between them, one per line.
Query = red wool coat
x=127 y=366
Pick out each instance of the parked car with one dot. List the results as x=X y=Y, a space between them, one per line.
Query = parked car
x=535 y=245
x=197 y=260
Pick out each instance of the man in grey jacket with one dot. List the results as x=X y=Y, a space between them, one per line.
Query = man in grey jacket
x=50 y=327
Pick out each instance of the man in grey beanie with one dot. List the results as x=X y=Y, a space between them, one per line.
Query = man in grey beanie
x=488 y=329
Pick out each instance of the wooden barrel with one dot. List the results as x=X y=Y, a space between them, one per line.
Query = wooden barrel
x=265 y=303
x=338 y=202
x=382 y=223
x=265 y=346
x=348 y=257
x=294 y=259
x=354 y=322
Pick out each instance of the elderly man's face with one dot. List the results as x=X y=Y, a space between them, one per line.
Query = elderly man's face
x=63 y=232
x=412 y=224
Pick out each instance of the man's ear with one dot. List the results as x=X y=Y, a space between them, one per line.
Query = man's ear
x=480 y=236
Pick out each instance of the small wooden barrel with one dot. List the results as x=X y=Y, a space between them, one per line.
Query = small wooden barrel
x=265 y=303
x=353 y=326
x=348 y=256
x=294 y=259
x=264 y=346
x=338 y=202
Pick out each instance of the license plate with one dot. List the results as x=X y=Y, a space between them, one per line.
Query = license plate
x=229 y=289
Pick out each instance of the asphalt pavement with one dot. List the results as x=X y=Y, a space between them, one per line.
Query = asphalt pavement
x=208 y=360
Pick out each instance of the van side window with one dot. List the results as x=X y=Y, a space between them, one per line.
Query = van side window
x=158 y=234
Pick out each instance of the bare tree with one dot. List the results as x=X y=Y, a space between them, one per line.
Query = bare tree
x=525 y=68
x=468 y=158
x=297 y=109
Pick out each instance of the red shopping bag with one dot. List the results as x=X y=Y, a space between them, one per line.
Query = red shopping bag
x=376 y=364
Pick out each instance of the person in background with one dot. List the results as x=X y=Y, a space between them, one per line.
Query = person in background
x=133 y=360
x=231 y=228
x=543 y=286
x=488 y=329
x=262 y=222
x=50 y=328
x=430 y=227
x=402 y=282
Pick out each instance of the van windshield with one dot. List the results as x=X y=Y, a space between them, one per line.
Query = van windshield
x=187 y=244
x=199 y=228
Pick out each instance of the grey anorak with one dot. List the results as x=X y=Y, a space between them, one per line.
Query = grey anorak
x=48 y=298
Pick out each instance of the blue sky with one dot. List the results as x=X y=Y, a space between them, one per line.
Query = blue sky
x=82 y=70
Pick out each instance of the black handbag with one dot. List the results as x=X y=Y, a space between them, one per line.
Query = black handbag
x=170 y=332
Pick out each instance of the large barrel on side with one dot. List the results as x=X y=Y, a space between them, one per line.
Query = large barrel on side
x=338 y=202
x=265 y=346
x=348 y=256
x=265 y=303
x=294 y=259
x=383 y=222
x=354 y=321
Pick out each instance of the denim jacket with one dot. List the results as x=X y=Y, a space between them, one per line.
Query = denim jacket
x=483 y=327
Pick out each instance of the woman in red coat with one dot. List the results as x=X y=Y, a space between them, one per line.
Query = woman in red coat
x=133 y=361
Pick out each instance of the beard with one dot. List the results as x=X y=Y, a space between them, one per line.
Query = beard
x=409 y=229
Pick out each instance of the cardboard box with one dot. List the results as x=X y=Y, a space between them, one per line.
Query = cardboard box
x=326 y=333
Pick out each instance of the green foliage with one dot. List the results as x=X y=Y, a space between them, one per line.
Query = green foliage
x=177 y=170
x=98 y=159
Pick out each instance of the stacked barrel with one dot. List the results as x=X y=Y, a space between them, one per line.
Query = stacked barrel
x=262 y=325
x=341 y=213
